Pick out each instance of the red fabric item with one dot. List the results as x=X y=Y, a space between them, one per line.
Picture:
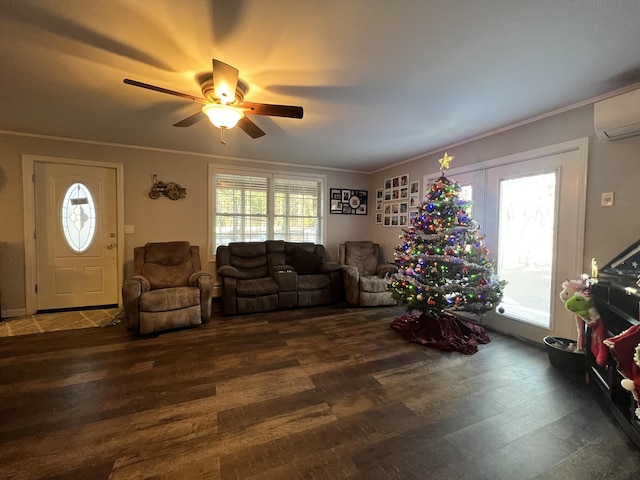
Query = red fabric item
x=445 y=331
x=623 y=347
x=598 y=348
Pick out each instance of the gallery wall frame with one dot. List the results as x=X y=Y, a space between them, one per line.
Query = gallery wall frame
x=348 y=202
x=397 y=201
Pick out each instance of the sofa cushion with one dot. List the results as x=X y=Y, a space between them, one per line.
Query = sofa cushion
x=167 y=264
x=257 y=287
x=368 y=299
x=313 y=282
x=373 y=284
x=250 y=258
x=304 y=262
x=362 y=255
x=165 y=300
x=167 y=253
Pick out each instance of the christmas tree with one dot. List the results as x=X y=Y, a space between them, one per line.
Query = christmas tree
x=442 y=266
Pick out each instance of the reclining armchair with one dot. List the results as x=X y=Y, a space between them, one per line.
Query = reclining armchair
x=249 y=284
x=168 y=290
x=364 y=272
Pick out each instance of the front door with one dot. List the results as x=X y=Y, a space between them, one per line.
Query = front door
x=76 y=235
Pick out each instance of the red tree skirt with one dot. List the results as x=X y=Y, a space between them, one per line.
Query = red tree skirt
x=445 y=332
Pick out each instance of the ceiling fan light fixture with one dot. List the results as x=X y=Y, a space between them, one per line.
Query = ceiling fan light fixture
x=223 y=116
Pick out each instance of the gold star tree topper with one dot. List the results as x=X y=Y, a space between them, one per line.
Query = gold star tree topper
x=445 y=161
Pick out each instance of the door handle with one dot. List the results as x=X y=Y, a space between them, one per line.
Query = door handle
x=111 y=245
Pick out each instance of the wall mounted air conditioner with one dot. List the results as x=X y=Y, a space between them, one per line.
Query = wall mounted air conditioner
x=618 y=117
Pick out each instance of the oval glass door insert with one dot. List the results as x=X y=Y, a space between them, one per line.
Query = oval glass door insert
x=78 y=216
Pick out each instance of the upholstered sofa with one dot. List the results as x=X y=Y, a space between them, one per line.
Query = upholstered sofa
x=274 y=274
x=364 y=274
x=168 y=289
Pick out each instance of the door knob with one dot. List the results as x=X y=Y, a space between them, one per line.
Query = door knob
x=111 y=245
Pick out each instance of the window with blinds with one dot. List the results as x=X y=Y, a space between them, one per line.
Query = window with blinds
x=251 y=207
x=297 y=210
x=241 y=208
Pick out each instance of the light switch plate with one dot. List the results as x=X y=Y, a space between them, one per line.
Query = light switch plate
x=129 y=229
x=606 y=199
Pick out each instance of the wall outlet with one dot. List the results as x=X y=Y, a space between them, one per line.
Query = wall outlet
x=129 y=229
x=606 y=199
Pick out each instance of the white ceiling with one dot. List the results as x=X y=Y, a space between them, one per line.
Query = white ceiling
x=381 y=81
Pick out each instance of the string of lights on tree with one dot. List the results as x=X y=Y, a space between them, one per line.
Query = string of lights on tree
x=442 y=262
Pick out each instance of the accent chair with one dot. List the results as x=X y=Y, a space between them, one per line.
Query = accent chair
x=364 y=270
x=168 y=289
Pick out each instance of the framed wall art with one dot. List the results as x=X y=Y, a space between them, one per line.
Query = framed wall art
x=348 y=202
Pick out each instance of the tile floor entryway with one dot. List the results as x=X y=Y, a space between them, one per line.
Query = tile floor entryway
x=56 y=321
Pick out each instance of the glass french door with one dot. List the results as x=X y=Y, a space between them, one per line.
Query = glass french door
x=531 y=212
x=527 y=216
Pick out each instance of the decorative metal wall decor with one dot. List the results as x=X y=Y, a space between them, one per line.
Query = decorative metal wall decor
x=350 y=202
x=171 y=190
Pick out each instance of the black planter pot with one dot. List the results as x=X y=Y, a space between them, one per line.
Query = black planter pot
x=562 y=358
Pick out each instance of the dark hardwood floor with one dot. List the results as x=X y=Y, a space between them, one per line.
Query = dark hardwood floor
x=314 y=393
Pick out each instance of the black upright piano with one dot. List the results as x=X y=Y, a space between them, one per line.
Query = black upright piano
x=616 y=292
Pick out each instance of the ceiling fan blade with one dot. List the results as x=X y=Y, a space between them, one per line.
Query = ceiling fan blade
x=135 y=83
x=225 y=80
x=289 y=111
x=250 y=128
x=192 y=120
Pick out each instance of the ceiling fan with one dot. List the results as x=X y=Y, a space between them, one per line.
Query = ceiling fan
x=224 y=104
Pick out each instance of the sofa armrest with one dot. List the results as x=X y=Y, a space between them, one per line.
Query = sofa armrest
x=204 y=281
x=143 y=282
x=196 y=278
x=132 y=288
x=287 y=278
x=351 y=279
x=229 y=295
x=229 y=271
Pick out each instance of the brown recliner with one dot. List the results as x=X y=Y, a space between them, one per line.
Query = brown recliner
x=168 y=290
x=364 y=274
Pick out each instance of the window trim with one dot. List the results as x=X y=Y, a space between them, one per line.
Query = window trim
x=214 y=169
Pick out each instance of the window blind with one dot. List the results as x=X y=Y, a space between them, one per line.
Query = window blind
x=257 y=207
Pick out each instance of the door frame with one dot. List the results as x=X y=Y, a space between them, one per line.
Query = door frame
x=29 y=203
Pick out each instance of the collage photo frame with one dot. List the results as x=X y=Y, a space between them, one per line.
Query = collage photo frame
x=397 y=202
x=348 y=202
